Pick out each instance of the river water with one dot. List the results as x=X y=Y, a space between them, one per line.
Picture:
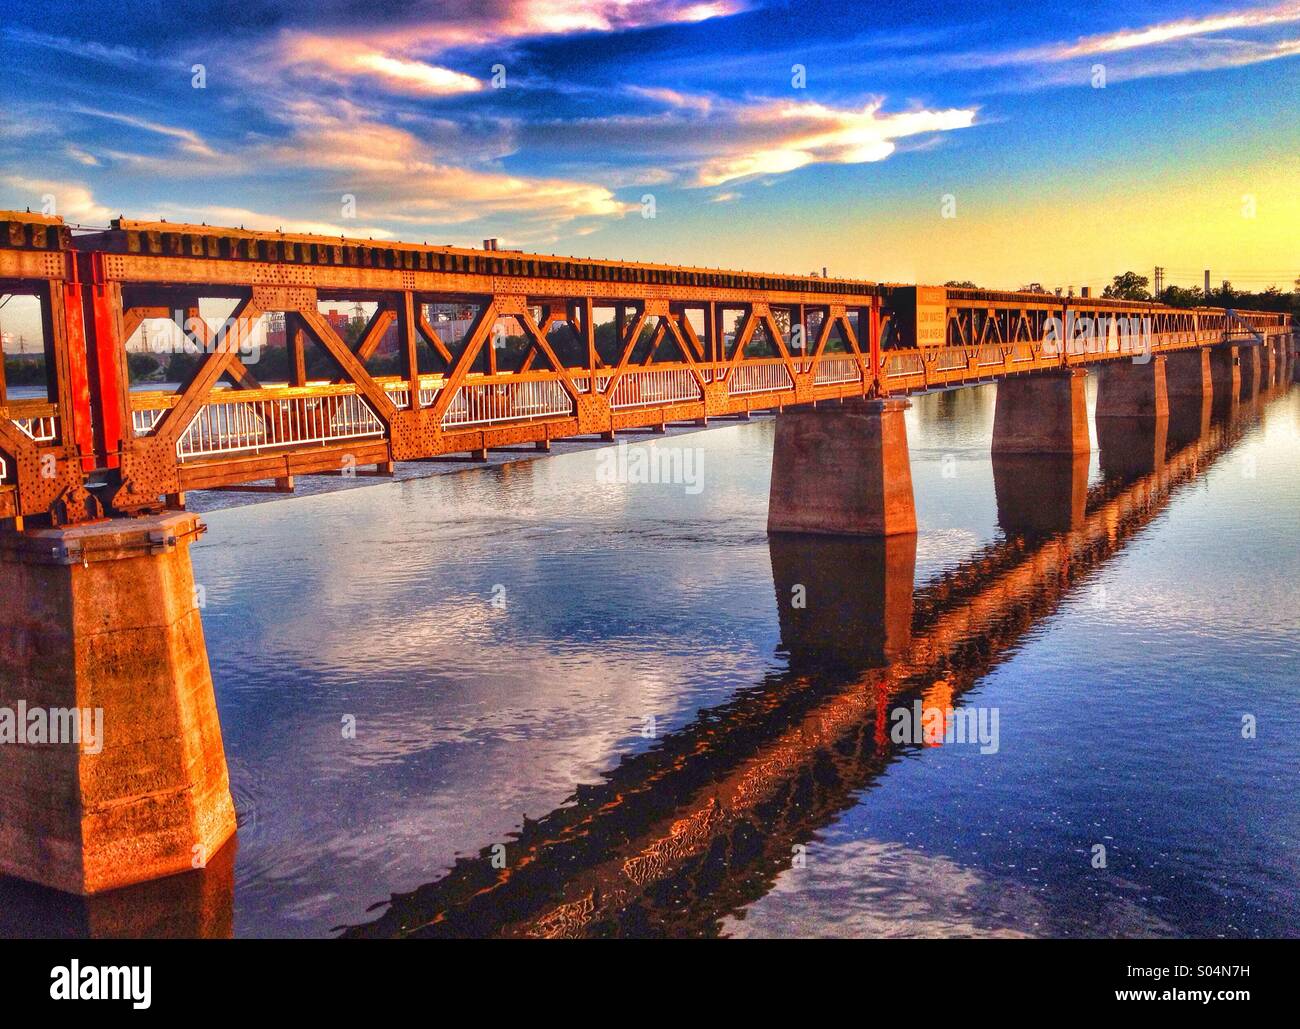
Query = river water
x=585 y=707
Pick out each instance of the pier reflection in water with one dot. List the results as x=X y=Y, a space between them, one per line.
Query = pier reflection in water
x=669 y=844
x=845 y=604
x=1040 y=494
x=1119 y=620
x=195 y=905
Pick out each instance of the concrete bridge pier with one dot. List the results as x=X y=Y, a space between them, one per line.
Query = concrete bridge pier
x=1044 y=413
x=1040 y=494
x=1225 y=373
x=1189 y=383
x=842 y=469
x=112 y=771
x=1133 y=417
x=1188 y=376
x=1133 y=389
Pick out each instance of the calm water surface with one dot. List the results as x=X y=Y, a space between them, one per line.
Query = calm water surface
x=609 y=689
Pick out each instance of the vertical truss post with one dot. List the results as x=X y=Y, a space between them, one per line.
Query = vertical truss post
x=589 y=332
x=111 y=393
x=294 y=338
x=65 y=357
x=409 y=340
x=873 y=346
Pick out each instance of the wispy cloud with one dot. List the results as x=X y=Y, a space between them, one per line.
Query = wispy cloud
x=1166 y=32
x=83 y=49
x=397 y=55
x=1197 y=55
x=256 y=220
x=808 y=133
x=326 y=58
x=73 y=201
x=400 y=178
x=190 y=142
x=1174 y=47
x=734 y=140
x=673 y=98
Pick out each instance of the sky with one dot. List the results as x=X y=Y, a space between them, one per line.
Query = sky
x=1003 y=143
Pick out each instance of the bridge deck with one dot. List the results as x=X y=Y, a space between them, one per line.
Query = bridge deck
x=672 y=355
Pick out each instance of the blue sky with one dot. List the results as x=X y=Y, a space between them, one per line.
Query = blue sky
x=782 y=136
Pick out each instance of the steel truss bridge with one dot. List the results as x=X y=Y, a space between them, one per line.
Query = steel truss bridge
x=685 y=344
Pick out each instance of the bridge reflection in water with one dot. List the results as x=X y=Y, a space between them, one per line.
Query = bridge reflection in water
x=676 y=838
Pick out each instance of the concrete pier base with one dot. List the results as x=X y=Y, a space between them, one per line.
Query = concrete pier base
x=844 y=603
x=1188 y=375
x=1225 y=373
x=842 y=469
x=1267 y=365
x=1045 y=413
x=1131 y=389
x=102 y=619
x=1040 y=494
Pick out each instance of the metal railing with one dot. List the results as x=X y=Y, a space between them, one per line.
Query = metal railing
x=490 y=402
x=647 y=387
x=951 y=359
x=758 y=378
x=399 y=393
x=899 y=363
x=145 y=419
x=836 y=369
x=39 y=428
x=234 y=425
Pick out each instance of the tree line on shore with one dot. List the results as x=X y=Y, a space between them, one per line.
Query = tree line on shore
x=1132 y=286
